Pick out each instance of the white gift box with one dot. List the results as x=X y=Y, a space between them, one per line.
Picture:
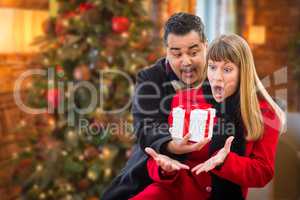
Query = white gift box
x=178 y=114
x=198 y=122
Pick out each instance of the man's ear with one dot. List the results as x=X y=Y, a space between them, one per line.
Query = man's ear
x=166 y=53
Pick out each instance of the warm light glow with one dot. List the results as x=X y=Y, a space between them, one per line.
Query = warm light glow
x=19 y=28
x=257 y=34
x=53 y=8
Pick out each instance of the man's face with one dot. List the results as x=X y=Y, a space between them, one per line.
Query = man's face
x=186 y=55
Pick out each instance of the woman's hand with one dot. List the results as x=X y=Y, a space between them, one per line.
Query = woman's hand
x=184 y=146
x=166 y=163
x=216 y=160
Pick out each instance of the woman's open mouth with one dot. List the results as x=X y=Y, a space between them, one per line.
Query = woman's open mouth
x=218 y=91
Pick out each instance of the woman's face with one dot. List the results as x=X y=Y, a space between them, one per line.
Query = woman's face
x=223 y=77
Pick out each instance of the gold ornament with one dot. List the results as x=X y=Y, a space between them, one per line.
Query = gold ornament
x=15 y=155
x=42 y=196
x=133 y=55
x=103 y=53
x=99 y=111
x=29 y=85
x=144 y=33
x=22 y=122
x=51 y=123
x=67 y=94
x=59 y=52
x=105 y=154
x=69 y=187
x=133 y=67
x=28 y=149
x=81 y=157
x=92 y=175
x=65 y=22
x=89 y=40
x=68 y=197
x=46 y=61
x=72 y=138
x=50 y=192
x=35 y=187
x=107 y=172
x=64 y=153
x=77 y=18
x=97 y=3
x=39 y=168
x=125 y=35
x=71 y=135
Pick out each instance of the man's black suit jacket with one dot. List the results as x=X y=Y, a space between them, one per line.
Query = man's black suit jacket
x=150 y=108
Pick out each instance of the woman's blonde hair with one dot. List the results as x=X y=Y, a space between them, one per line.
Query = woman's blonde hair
x=235 y=49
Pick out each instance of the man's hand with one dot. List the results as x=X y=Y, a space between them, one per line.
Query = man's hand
x=167 y=164
x=184 y=146
x=216 y=159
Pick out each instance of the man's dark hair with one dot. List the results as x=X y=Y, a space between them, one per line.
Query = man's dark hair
x=182 y=23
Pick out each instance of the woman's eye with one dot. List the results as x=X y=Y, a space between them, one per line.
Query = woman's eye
x=227 y=69
x=177 y=55
x=212 y=67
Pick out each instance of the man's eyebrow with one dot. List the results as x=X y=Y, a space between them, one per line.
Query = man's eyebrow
x=193 y=46
x=190 y=47
x=175 y=48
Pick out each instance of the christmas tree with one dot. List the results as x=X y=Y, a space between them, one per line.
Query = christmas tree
x=91 y=53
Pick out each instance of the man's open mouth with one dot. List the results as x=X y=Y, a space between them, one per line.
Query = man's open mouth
x=188 y=71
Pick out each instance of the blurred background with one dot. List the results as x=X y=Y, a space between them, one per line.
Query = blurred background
x=53 y=51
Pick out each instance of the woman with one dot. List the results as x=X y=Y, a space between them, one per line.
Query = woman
x=242 y=150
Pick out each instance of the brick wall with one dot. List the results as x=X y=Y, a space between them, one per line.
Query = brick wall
x=11 y=66
x=281 y=20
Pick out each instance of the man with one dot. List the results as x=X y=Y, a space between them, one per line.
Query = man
x=182 y=67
